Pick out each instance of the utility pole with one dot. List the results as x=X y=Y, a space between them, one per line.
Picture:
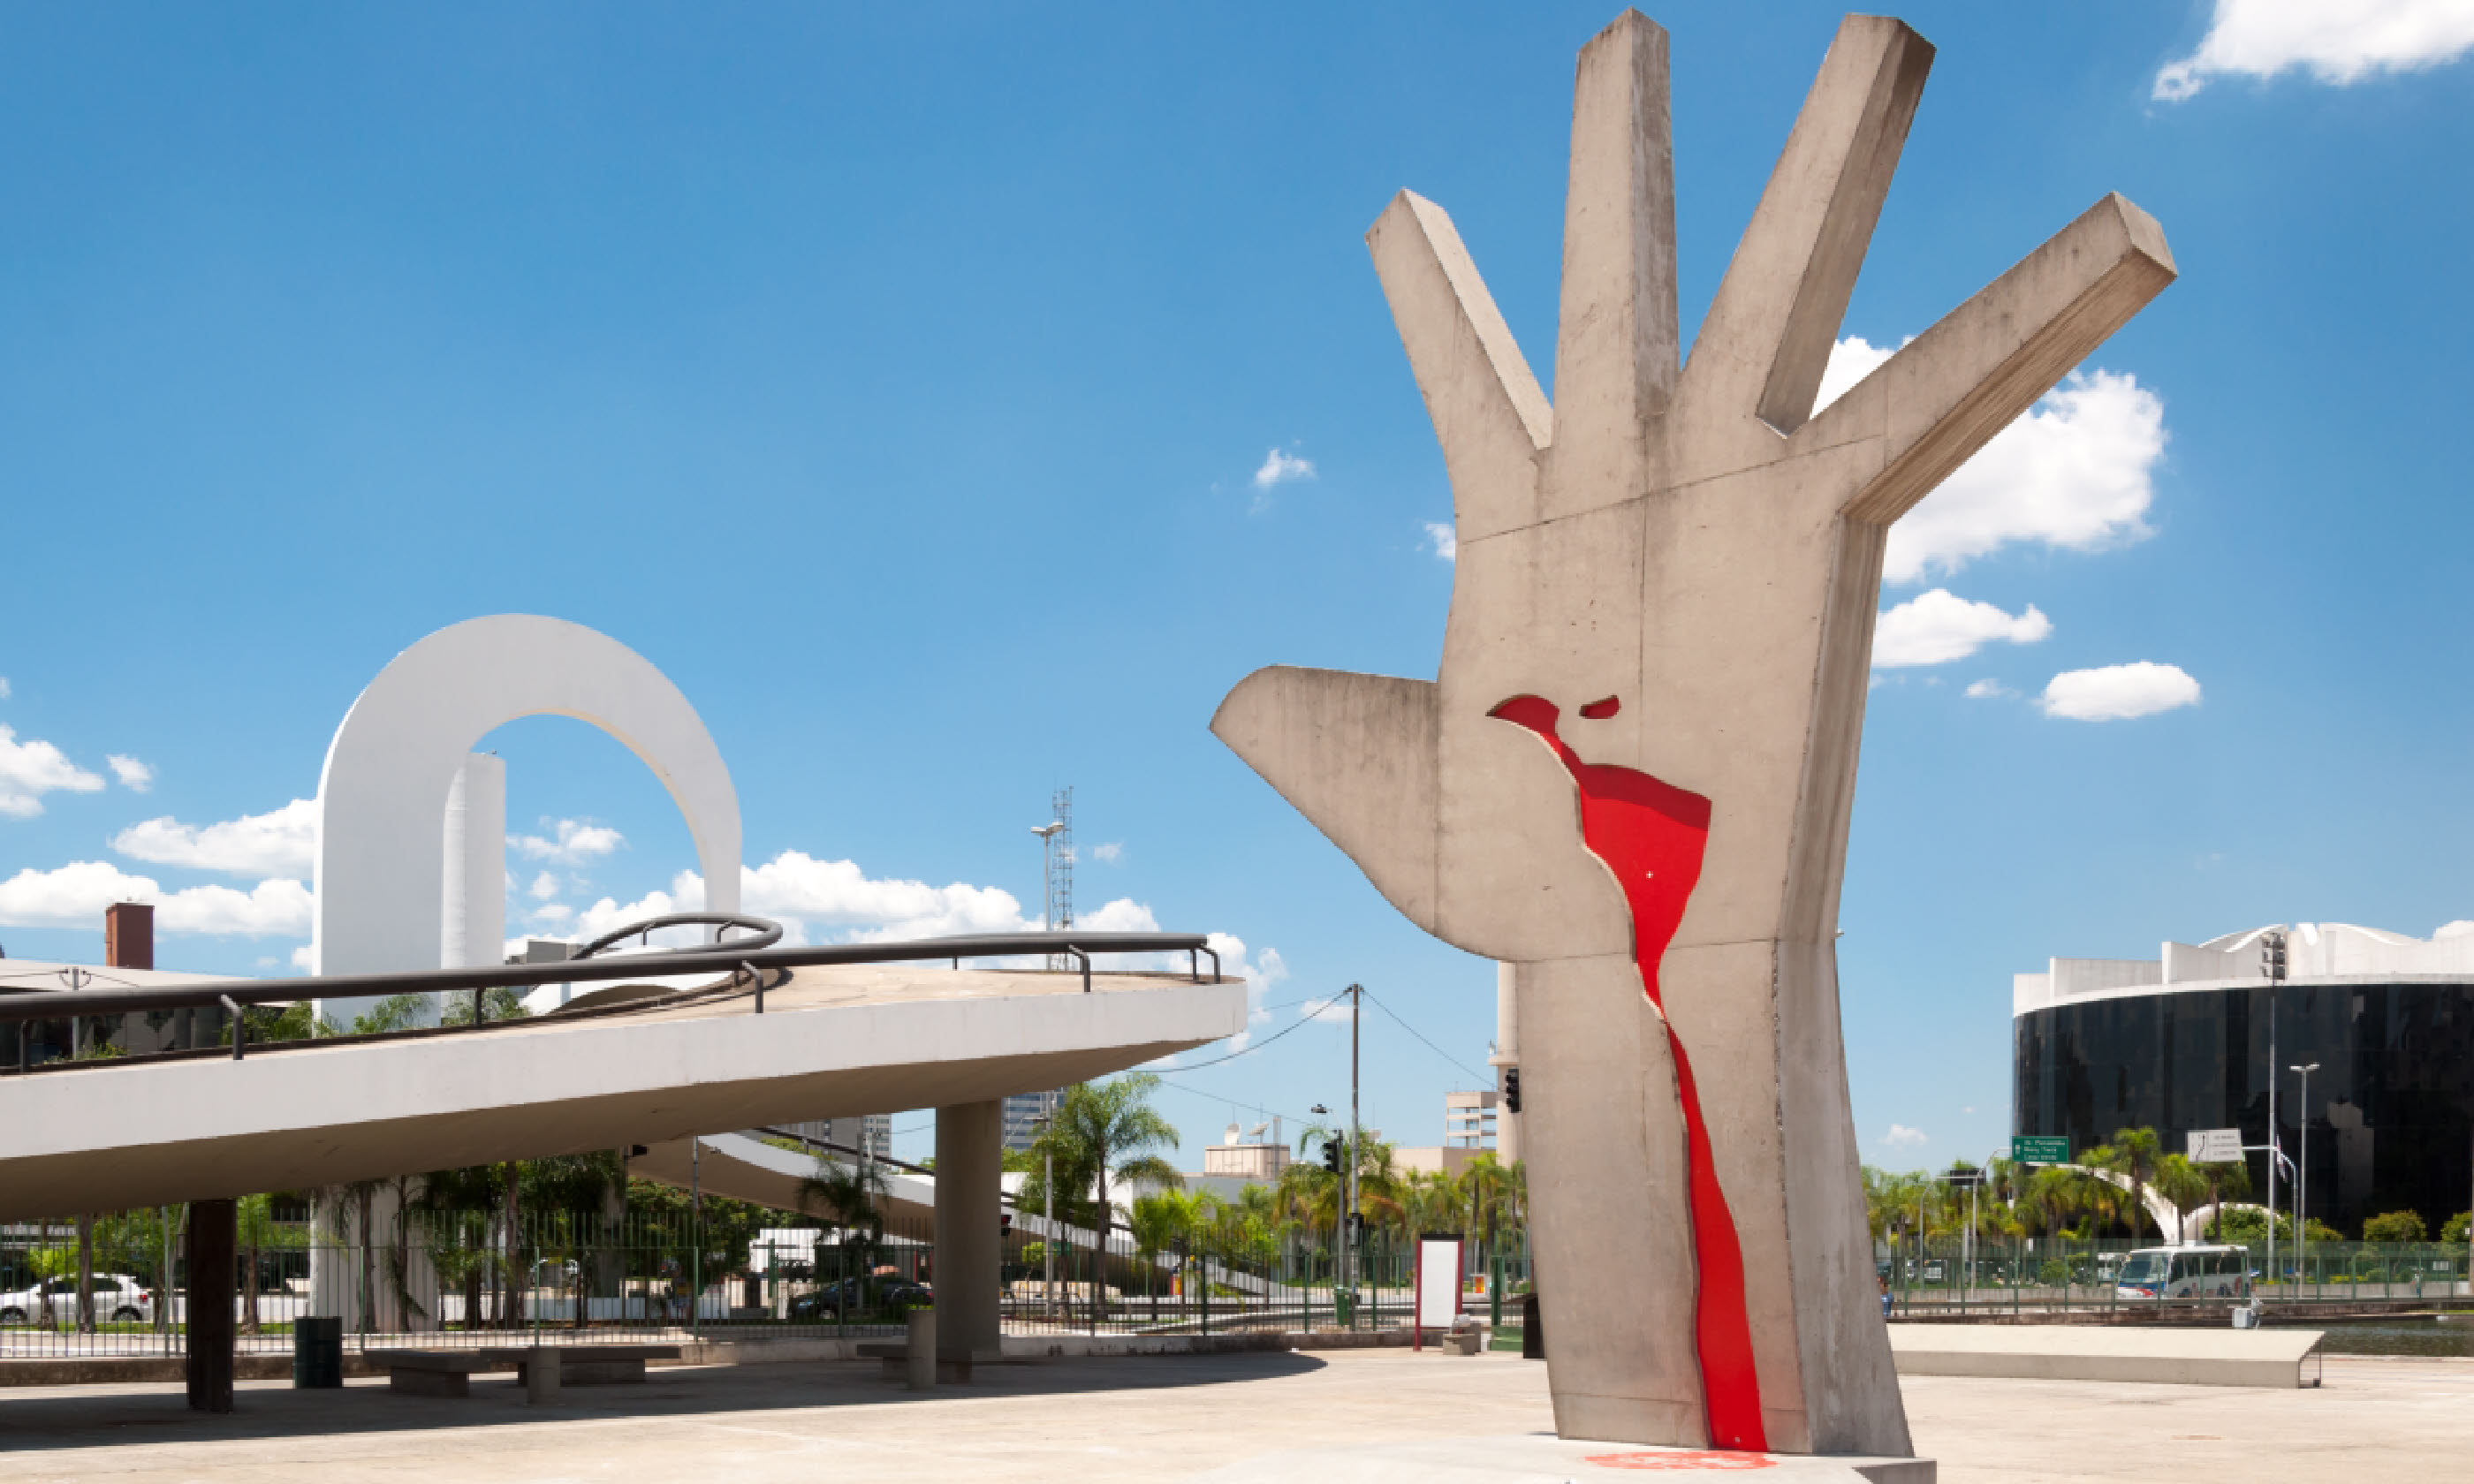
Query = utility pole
x=2302 y=1174
x=695 y=1231
x=2272 y=964
x=1356 y=1013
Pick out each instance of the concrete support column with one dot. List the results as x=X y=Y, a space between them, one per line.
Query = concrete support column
x=214 y=1264
x=969 y=1228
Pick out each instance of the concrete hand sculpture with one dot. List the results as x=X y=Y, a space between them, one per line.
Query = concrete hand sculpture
x=1632 y=777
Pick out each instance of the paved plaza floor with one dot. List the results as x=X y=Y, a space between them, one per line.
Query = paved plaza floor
x=1168 y=1418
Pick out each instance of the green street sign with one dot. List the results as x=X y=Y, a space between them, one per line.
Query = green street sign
x=2039 y=1150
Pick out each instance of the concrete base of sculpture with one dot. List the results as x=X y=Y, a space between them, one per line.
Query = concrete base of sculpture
x=1538 y=1459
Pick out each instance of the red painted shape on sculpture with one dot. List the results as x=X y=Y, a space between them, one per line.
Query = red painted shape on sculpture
x=1600 y=709
x=1651 y=834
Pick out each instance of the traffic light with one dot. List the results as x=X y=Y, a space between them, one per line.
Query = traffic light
x=1512 y=1090
x=1331 y=1155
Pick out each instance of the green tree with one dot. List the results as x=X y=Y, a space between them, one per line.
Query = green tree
x=2182 y=1184
x=2455 y=1229
x=2135 y=1154
x=2226 y=1178
x=847 y=1195
x=1108 y=1128
x=1159 y=1222
x=2396 y=1226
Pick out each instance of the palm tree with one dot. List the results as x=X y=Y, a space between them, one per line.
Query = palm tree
x=2134 y=1154
x=1112 y=1127
x=2180 y=1182
x=458 y=1206
x=848 y=1195
x=1158 y=1221
x=2232 y=1177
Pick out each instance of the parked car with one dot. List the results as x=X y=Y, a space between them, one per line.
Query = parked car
x=861 y=1295
x=118 y=1299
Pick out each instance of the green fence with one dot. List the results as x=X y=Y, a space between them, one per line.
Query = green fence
x=1952 y=1275
x=449 y=1277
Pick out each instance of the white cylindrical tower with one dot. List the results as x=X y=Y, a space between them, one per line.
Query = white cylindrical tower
x=474 y=892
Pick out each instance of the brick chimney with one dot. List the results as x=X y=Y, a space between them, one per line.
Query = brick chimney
x=129 y=935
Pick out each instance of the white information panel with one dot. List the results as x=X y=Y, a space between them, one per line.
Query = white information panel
x=2215 y=1146
x=1438 y=1282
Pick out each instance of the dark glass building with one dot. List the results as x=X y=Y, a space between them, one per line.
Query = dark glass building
x=2388 y=1124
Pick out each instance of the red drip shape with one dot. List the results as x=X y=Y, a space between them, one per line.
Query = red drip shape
x=1651 y=835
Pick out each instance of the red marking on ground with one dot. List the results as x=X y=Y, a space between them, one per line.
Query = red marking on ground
x=1695 y=1458
x=1651 y=834
x=1600 y=710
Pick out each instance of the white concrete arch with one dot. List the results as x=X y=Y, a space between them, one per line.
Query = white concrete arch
x=384 y=794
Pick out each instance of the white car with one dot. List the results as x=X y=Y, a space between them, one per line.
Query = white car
x=118 y=1299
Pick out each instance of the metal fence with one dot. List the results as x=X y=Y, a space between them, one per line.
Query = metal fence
x=443 y=1279
x=1950 y=1276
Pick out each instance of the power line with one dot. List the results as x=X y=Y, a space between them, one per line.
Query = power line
x=1234 y=1102
x=1422 y=1036
x=1258 y=1045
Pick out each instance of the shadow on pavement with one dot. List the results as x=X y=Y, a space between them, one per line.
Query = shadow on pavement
x=37 y=1417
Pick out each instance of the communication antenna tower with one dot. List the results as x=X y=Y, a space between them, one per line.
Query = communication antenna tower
x=1058 y=835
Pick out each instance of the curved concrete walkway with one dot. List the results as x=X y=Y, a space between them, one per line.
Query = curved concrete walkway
x=831 y=1042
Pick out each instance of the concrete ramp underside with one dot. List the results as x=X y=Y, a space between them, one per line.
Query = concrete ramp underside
x=2175 y=1356
x=831 y=1042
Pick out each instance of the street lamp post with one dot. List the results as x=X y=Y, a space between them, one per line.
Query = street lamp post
x=1047 y=1215
x=2302 y=1172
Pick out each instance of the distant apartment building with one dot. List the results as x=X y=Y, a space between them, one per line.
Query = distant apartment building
x=1023 y=1111
x=1468 y=1119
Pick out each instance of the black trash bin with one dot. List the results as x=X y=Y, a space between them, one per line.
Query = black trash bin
x=318 y=1351
x=1533 y=1334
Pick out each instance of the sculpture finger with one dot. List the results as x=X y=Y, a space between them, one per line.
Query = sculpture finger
x=1945 y=392
x=1487 y=411
x=1356 y=754
x=1766 y=340
x=1615 y=342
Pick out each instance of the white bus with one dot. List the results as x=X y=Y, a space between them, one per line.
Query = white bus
x=2184 y=1272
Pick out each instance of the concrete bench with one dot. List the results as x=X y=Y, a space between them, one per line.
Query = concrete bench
x=433 y=1373
x=449 y=1373
x=950 y=1366
x=2179 y=1356
x=589 y=1365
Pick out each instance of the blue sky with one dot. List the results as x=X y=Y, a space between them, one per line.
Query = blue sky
x=954 y=404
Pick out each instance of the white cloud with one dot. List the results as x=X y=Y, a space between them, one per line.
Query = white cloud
x=134 y=776
x=2337 y=42
x=575 y=843
x=1988 y=690
x=4 y=688
x=1279 y=468
x=554 y=914
x=30 y=770
x=1901 y=1137
x=270 y=909
x=282 y=842
x=2118 y=692
x=304 y=959
x=1109 y=855
x=2075 y=471
x=1443 y=540
x=545 y=886
x=75 y=895
x=1937 y=627
x=836 y=893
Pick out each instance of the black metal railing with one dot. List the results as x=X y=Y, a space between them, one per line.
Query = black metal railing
x=739 y=966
